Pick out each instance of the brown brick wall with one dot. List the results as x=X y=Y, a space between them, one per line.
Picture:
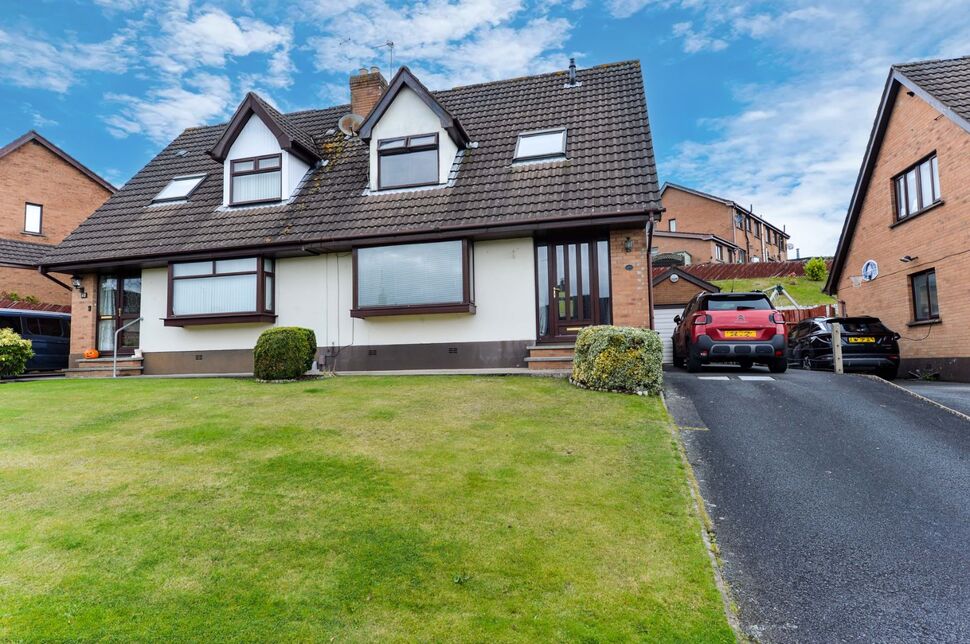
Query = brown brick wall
x=365 y=90
x=667 y=293
x=34 y=174
x=939 y=238
x=28 y=282
x=631 y=288
x=701 y=251
x=83 y=318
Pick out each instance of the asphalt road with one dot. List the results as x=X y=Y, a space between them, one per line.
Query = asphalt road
x=954 y=395
x=841 y=505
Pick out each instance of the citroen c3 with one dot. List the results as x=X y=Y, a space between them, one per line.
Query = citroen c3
x=743 y=328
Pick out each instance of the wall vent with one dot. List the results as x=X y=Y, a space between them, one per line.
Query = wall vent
x=198 y=356
x=372 y=352
x=452 y=349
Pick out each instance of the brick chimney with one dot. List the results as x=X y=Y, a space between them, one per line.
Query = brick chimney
x=366 y=89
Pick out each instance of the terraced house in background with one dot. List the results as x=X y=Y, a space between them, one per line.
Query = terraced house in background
x=701 y=228
x=904 y=253
x=44 y=194
x=482 y=226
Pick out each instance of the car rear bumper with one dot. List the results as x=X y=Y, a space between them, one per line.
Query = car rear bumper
x=858 y=363
x=709 y=350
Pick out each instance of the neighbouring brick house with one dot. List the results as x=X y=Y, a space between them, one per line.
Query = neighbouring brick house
x=481 y=226
x=731 y=233
x=673 y=287
x=904 y=253
x=44 y=194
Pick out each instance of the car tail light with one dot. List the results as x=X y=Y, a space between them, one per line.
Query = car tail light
x=777 y=318
x=702 y=318
x=779 y=354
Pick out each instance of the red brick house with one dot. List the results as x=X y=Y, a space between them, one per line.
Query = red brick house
x=478 y=227
x=45 y=193
x=714 y=229
x=904 y=253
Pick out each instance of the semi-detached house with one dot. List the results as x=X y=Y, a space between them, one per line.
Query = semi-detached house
x=467 y=228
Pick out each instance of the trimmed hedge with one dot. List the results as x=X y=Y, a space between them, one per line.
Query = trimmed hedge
x=284 y=353
x=14 y=353
x=619 y=358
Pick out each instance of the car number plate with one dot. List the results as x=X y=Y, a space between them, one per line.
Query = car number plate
x=740 y=334
x=862 y=339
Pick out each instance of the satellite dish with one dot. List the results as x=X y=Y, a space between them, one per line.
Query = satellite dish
x=349 y=124
x=675 y=278
x=791 y=246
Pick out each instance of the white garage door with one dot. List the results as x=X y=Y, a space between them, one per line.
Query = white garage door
x=663 y=322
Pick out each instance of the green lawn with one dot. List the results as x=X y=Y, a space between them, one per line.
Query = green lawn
x=805 y=291
x=361 y=509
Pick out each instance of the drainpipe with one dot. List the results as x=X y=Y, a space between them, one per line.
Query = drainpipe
x=650 y=225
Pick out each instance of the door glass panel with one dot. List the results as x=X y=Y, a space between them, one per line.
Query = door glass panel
x=586 y=304
x=603 y=282
x=573 y=284
x=560 y=288
x=128 y=339
x=131 y=295
x=543 y=280
x=106 y=335
x=106 y=296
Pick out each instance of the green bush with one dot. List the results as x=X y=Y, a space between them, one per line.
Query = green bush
x=14 y=353
x=815 y=269
x=619 y=358
x=284 y=353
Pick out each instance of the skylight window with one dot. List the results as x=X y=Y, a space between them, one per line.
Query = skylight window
x=547 y=144
x=179 y=188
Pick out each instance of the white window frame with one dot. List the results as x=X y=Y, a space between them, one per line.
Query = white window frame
x=40 y=218
x=182 y=197
x=560 y=154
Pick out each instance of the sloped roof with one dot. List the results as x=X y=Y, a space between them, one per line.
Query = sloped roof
x=944 y=84
x=33 y=136
x=14 y=252
x=664 y=272
x=726 y=202
x=698 y=236
x=609 y=172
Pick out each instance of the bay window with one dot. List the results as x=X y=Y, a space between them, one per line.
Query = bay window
x=221 y=290
x=407 y=162
x=917 y=188
x=403 y=279
x=255 y=180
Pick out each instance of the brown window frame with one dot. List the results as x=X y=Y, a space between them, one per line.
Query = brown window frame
x=901 y=177
x=260 y=313
x=467 y=305
x=409 y=149
x=256 y=170
x=936 y=296
x=40 y=229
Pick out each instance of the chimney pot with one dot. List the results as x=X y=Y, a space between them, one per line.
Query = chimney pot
x=362 y=71
x=375 y=70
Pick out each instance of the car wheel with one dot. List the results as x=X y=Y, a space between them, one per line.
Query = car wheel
x=745 y=364
x=693 y=363
x=889 y=373
x=778 y=365
x=678 y=361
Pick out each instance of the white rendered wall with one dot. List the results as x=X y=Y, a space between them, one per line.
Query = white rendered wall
x=255 y=140
x=406 y=116
x=317 y=293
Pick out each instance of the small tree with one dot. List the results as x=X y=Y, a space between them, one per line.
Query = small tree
x=14 y=353
x=815 y=269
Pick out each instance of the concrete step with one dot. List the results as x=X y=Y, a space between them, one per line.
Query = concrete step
x=102 y=371
x=550 y=362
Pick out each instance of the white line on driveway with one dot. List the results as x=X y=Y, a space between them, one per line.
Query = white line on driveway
x=755 y=378
x=713 y=378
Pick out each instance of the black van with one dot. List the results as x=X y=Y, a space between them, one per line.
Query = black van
x=49 y=332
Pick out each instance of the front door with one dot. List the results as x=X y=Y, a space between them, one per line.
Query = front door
x=119 y=302
x=573 y=287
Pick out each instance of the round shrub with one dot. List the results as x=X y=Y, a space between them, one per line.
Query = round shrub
x=14 y=353
x=619 y=358
x=284 y=353
x=815 y=269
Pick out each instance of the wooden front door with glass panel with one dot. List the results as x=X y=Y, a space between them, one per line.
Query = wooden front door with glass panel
x=119 y=302
x=573 y=287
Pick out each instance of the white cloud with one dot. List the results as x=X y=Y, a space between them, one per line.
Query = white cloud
x=31 y=60
x=694 y=41
x=166 y=111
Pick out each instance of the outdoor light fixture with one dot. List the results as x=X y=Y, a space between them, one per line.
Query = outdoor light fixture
x=628 y=244
x=78 y=286
x=906 y=259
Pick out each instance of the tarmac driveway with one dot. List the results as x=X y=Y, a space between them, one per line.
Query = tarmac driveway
x=841 y=504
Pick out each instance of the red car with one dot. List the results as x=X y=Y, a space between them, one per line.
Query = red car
x=743 y=328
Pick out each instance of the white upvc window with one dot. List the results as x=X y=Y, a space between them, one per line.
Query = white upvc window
x=544 y=144
x=179 y=188
x=33 y=218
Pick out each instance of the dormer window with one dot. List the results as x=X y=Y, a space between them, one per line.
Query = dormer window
x=255 y=180
x=545 y=144
x=179 y=188
x=407 y=162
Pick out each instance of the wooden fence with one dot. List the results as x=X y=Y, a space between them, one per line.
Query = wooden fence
x=751 y=270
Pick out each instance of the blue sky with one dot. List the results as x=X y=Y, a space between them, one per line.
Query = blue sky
x=766 y=103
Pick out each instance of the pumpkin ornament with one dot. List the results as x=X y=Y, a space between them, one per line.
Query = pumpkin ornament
x=91 y=354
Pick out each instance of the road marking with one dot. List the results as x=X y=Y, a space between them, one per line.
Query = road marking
x=713 y=378
x=755 y=378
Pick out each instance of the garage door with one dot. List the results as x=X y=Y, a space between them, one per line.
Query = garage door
x=663 y=321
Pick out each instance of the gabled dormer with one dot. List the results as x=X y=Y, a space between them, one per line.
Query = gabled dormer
x=265 y=157
x=413 y=139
